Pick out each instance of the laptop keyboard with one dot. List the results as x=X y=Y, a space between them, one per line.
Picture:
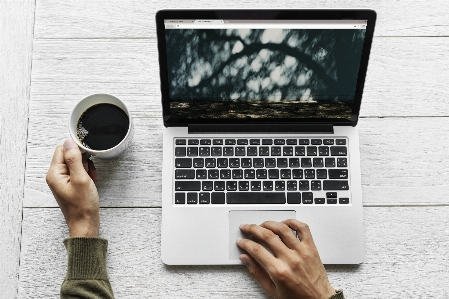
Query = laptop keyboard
x=261 y=171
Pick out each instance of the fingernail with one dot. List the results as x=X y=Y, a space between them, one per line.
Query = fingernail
x=69 y=143
x=241 y=226
x=238 y=240
x=243 y=260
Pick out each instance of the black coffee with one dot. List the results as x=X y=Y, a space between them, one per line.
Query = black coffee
x=102 y=126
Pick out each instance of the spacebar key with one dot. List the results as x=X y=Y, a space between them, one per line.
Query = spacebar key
x=255 y=197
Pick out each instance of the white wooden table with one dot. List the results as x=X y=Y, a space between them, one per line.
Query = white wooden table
x=54 y=53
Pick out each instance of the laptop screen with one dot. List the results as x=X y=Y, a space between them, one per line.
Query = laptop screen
x=227 y=69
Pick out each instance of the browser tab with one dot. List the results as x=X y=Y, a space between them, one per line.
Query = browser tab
x=209 y=22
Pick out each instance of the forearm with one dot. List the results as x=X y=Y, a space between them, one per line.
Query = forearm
x=87 y=276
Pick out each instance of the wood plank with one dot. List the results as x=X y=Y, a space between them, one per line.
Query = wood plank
x=404 y=258
x=16 y=36
x=135 y=19
x=412 y=83
x=402 y=163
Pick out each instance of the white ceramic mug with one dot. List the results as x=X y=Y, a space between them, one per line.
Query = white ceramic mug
x=85 y=104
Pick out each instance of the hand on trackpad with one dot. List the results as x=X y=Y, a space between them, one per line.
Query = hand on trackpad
x=236 y=218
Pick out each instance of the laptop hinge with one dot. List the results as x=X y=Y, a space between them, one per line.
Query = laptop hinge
x=262 y=128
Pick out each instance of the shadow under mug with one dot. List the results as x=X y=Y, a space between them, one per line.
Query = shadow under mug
x=85 y=104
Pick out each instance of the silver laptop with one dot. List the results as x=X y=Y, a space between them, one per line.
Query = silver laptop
x=260 y=109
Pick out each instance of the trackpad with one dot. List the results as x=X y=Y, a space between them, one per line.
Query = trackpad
x=236 y=218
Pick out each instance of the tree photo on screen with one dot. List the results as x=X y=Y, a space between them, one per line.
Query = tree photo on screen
x=263 y=73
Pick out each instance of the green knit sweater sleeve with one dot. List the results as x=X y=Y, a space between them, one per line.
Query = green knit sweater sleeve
x=87 y=276
x=339 y=295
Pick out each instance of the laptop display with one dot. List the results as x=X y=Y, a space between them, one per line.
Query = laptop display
x=263 y=69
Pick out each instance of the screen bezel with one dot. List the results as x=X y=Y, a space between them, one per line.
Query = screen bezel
x=347 y=14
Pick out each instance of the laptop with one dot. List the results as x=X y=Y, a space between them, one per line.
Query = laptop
x=260 y=109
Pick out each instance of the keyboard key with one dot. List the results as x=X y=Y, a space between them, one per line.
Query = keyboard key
x=258 y=162
x=217 y=198
x=321 y=173
x=267 y=185
x=293 y=162
x=187 y=185
x=231 y=186
x=342 y=162
x=210 y=162
x=316 y=141
x=216 y=151
x=192 y=151
x=267 y=141
x=329 y=162
x=213 y=174
x=230 y=141
x=276 y=151
x=323 y=150
x=300 y=151
x=180 y=198
x=270 y=162
x=264 y=151
x=273 y=173
x=307 y=198
x=341 y=141
x=338 y=173
x=180 y=142
x=225 y=174
x=201 y=174
x=254 y=141
x=184 y=174
x=287 y=151
x=222 y=162
x=240 y=151
x=319 y=201
x=328 y=141
x=192 y=198
x=339 y=151
x=331 y=194
x=291 y=141
x=318 y=162
x=292 y=185
x=205 y=141
x=183 y=162
x=335 y=185
x=294 y=197
x=279 y=185
x=251 y=151
x=306 y=162
x=311 y=151
x=279 y=141
x=286 y=174
x=243 y=185
x=193 y=142
x=228 y=151
x=304 y=185
x=282 y=162
x=234 y=162
x=249 y=174
x=309 y=173
x=303 y=141
x=331 y=201
x=219 y=185
x=343 y=200
x=315 y=185
x=237 y=174
x=255 y=185
x=208 y=186
x=204 y=151
x=217 y=141
x=180 y=151
x=246 y=162
x=297 y=173
x=242 y=141
x=255 y=198
x=261 y=174
x=198 y=162
x=204 y=198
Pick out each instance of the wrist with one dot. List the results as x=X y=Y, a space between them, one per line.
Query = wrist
x=84 y=228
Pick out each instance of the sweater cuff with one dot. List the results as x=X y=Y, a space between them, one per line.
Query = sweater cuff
x=86 y=258
x=339 y=295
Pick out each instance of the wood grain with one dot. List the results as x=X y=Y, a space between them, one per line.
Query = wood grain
x=402 y=163
x=136 y=19
x=16 y=35
x=405 y=259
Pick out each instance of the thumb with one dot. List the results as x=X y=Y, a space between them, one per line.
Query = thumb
x=74 y=160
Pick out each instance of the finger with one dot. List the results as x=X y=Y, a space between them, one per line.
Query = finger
x=73 y=159
x=283 y=231
x=259 y=274
x=301 y=229
x=57 y=166
x=258 y=252
x=85 y=164
x=266 y=236
x=92 y=170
